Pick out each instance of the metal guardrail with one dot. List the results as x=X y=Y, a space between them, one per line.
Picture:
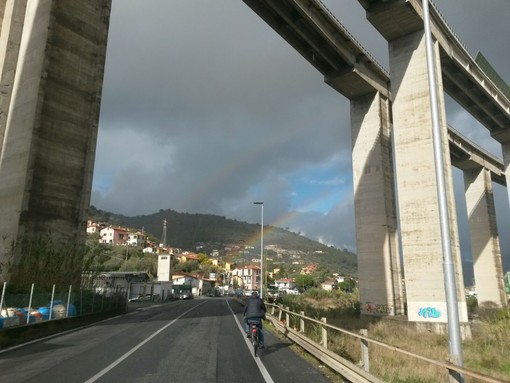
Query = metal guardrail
x=341 y=365
x=450 y=29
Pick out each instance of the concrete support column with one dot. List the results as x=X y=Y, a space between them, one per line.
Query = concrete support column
x=487 y=265
x=505 y=148
x=13 y=17
x=417 y=186
x=48 y=150
x=374 y=203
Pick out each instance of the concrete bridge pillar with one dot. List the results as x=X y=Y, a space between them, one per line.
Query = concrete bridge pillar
x=52 y=55
x=487 y=265
x=13 y=16
x=416 y=180
x=379 y=266
x=505 y=148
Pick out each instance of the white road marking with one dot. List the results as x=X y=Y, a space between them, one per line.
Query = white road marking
x=260 y=365
x=127 y=354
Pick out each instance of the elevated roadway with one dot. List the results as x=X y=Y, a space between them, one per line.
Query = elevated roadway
x=466 y=155
x=310 y=28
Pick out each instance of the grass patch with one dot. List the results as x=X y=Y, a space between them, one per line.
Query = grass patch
x=486 y=352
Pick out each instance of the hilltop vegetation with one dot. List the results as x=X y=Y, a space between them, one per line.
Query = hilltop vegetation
x=210 y=232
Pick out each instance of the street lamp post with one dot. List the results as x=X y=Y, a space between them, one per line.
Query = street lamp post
x=261 y=247
x=452 y=306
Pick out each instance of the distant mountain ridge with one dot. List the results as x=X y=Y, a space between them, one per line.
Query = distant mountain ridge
x=188 y=231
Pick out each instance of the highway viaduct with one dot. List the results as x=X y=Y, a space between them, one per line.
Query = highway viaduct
x=52 y=65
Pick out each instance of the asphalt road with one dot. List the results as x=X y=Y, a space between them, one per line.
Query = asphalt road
x=199 y=340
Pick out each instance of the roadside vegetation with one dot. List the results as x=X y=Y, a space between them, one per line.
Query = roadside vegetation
x=486 y=352
x=45 y=262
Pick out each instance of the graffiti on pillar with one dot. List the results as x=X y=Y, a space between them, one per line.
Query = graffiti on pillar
x=429 y=312
x=377 y=308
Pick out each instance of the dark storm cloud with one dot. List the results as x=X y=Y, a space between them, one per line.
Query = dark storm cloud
x=233 y=105
x=206 y=109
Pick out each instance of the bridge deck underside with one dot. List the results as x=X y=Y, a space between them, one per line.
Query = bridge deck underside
x=323 y=42
x=327 y=45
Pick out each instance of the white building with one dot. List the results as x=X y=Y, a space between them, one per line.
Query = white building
x=94 y=227
x=114 y=235
x=196 y=283
x=136 y=239
x=285 y=283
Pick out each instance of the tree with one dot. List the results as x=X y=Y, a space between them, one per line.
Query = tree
x=282 y=273
x=188 y=267
x=320 y=275
x=348 y=285
x=304 y=282
x=202 y=258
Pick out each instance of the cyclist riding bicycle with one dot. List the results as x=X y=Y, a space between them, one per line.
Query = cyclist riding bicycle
x=255 y=311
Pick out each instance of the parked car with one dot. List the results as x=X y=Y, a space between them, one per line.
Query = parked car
x=186 y=295
x=140 y=298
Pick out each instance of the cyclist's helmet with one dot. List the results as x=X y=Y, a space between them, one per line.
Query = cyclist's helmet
x=254 y=294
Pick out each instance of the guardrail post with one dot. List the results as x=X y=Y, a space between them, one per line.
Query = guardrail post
x=68 y=300
x=280 y=313
x=2 y=299
x=29 y=303
x=51 y=303
x=302 y=322
x=364 y=350
x=287 y=316
x=324 y=333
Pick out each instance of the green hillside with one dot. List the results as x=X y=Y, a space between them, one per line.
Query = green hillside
x=191 y=231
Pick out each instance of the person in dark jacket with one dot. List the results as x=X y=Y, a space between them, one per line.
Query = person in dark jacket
x=255 y=311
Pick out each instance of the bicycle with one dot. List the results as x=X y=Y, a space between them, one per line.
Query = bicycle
x=254 y=335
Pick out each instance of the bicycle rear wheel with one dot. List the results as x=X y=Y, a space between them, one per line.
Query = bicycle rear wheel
x=255 y=340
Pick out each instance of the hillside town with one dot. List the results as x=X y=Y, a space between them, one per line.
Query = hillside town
x=226 y=270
